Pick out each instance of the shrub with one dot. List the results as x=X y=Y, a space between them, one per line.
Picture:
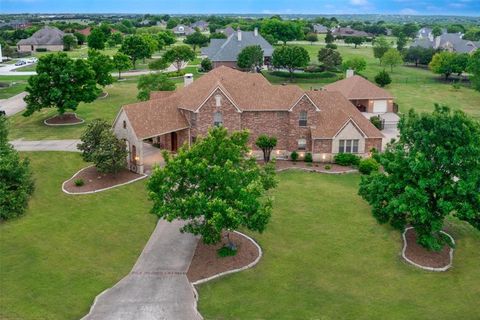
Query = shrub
x=79 y=182
x=367 y=166
x=327 y=167
x=206 y=65
x=347 y=159
x=383 y=78
x=41 y=49
x=331 y=46
x=226 y=251
x=174 y=74
x=308 y=157
x=377 y=122
x=294 y=156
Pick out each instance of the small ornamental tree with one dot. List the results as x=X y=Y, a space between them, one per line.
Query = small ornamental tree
x=102 y=65
x=443 y=63
x=213 y=186
x=474 y=68
x=60 y=82
x=136 y=47
x=267 y=144
x=380 y=47
x=16 y=182
x=290 y=58
x=153 y=82
x=206 y=65
x=81 y=38
x=179 y=54
x=401 y=42
x=96 y=39
x=111 y=154
x=91 y=137
x=392 y=58
x=311 y=37
x=431 y=172
x=69 y=42
x=357 y=64
x=355 y=41
x=330 y=58
x=383 y=78
x=329 y=37
x=167 y=37
x=121 y=62
x=250 y=57
x=196 y=39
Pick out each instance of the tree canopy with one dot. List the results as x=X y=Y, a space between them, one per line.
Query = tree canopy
x=196 y=39
x=213 y=186
x=431 y=172
x=153 y=82
x=179 y=54
x=96 y=39
x=282 y=30
x=121 y=62
x=474 y=68
x=290 y=58
x=102 y=65
x=91 y=137
x=383 y=78
x=69 y=42
x=355 y=40
x=136 y=47
x=380 y=47
x=266 y=143
x=392 y=58
x=357 y=64
x=250 y=57
x=444 y=63
x=330 y=58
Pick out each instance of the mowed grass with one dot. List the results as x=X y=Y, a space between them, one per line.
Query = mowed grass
x=67 y=249
x=325 y=257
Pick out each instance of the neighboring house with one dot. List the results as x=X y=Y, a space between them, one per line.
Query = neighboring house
x=369 y=99
x=16 y=24
x=224 y=52
x=182 y=30
x=319 y=29
x=201 y=25
x=349 y=32
x=448 y=41
x=320 y=122
x=426 y=33
x=48 y=38
x=88 y=30
x=228 y=31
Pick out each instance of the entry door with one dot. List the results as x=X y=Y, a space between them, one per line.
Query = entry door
x=174 y=139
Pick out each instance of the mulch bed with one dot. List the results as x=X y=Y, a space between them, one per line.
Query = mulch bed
x=320 y=167
x=66 y=118
x=207 y=263
x=422 y=256
x=95 y=180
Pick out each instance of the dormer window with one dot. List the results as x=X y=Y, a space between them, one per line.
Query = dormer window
x=217 y=119
x=302 y=119
x=218 y=100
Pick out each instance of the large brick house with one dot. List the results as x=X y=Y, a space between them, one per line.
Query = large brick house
x=323 y=123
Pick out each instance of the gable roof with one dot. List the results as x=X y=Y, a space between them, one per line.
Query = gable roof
x=357 y=87
x=349 y=32
x=228 y=49
x=44 y=36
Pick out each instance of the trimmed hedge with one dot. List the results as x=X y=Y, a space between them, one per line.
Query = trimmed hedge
x=367 y=166
x=347 y=159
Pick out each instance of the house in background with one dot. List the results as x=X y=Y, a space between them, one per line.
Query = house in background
x=201 y=25
x=320 y=122
x=349 y=32
x=224 y=52
x=48 y=38
x=452 y=42
x=182 y=30
x=320 y=29
x=228 y=31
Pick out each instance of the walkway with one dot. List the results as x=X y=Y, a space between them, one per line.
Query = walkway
x=13 y=105
x=157 y=287
x=46 y=145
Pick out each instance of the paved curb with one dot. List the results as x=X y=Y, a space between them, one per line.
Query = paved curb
x=250 y=265
x=63 y=124
x=419 y=265
x=317 y=170
x=99 y=190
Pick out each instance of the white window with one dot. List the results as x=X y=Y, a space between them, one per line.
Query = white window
x=193 y=119
x=218 y=100
x=302 y=119
x=348 y=146
x=217 y=119
x=302 y=144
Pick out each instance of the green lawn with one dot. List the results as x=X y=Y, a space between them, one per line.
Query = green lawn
x=15 y=88
x=67 y=249
x=80 y=52
x=325 y=257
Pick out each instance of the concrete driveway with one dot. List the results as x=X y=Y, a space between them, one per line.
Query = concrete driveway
x=13 y=105
x=157 y=288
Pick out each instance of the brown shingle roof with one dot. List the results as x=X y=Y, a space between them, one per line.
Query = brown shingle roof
x=357 y=87
x=335 y=112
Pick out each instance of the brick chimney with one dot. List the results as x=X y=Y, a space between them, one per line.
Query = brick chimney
x=187 y=79
x=255 y=32
x=239 y=34
x=349 y=73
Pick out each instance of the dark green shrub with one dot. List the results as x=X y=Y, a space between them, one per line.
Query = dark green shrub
x=41 y=49
x=383 y=78
x=367 y=166
x=377 y=122
x=79 y=182
x=294 y=156
x=331 y=46
x=327 y=167
x=308 y=157
x=174 y=74
x=347 y=159
x=226 y=251
x=206 y=65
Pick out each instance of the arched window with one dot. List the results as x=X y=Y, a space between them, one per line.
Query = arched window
x=217 y=119
x=302 y=119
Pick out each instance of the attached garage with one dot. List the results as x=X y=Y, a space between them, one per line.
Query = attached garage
x=380 y=106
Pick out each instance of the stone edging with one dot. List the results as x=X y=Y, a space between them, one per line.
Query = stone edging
x=317 y=171
x=221 y=274
x=419 y=265
x=99 y=190
x=63 y=124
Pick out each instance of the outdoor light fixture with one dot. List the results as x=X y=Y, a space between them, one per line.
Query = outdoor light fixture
x=278 y=151
x=324 y=156
x=137 y=158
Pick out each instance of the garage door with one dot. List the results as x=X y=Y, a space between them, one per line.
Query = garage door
x=380 y=106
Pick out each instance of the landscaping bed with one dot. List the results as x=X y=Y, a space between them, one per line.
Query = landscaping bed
x=94 y=181
x=64 y=120
x=315 y=166
x=206 y=262
x=421 y=256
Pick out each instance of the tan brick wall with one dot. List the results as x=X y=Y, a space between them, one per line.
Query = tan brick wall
x=28 y=48
x=373 y=143
x=296 y=132
x=272 y=123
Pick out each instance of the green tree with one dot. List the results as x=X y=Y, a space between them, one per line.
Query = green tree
x=158 y=64
x=102 y=65
x=16 y=182
x=460 y=63
x=167 y=37
x=419 y=55
x=213 y=187
x=383 y=78
x=380 y=47
x=410 y=29
x=217 y=35
x=196 y=39
x=153 y=82
x=357 y=64
x=69 y=42
x=179 y=54
x=443 y=63
x=206 y=65
x=267 y=144
x=311 y=37
x=392 y=58
x=121 y=62
x=401 y=42
x=282 y=30
x=111 y=154
x=116 y=37
x=357 y=41
x=96 y=39
x=329 y=37
x=290 y=58
x=152 y=44
x=436 y=31
x=474 y=68
x=250 y=57
x=472 y=34
x=80 y=38
x=136 y=48
x=91 y=137
x=60 y=82
x=431 y=172
x=330 y=58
